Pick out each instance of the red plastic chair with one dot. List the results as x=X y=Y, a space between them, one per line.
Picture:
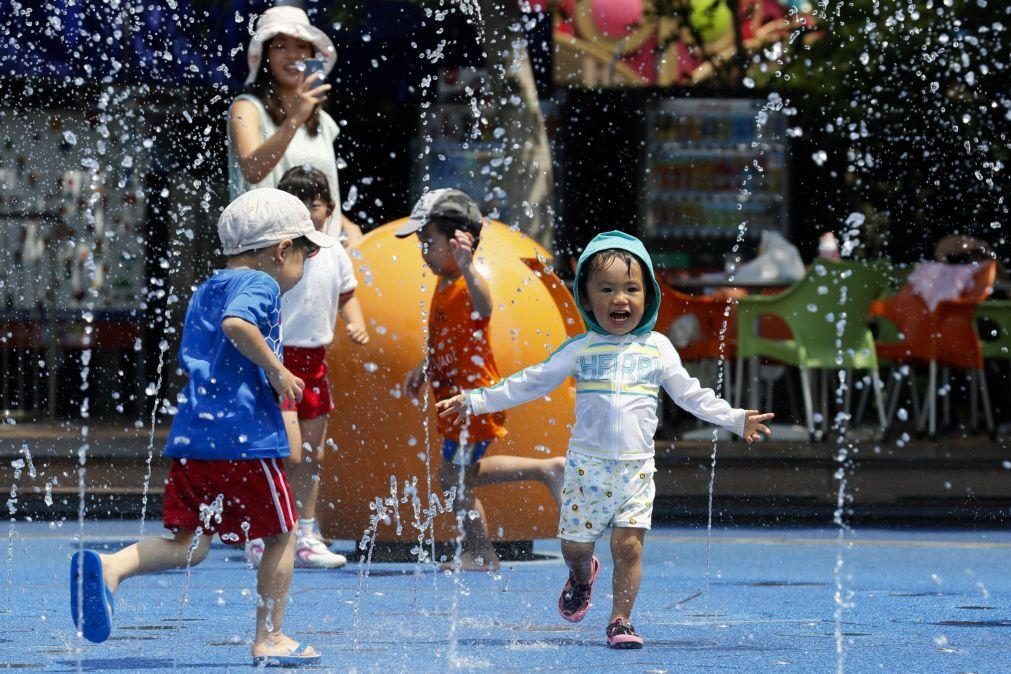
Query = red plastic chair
x=709 y=311
x=945 y=336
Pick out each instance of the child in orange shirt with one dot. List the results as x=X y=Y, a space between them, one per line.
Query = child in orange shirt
x=448 y=224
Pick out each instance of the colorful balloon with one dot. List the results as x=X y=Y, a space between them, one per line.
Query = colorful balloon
x=711 y=18
x=616 y=18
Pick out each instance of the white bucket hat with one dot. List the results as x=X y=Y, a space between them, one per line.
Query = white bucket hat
x=287 y=21
x=264 y=217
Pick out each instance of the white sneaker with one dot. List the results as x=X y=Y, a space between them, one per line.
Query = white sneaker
x=254 y=551
x=312 y=553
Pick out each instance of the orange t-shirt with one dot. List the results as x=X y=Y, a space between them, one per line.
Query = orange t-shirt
x=460 y=358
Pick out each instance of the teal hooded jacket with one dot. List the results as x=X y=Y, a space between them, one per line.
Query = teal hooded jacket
x=618 y=377
x=626 y=242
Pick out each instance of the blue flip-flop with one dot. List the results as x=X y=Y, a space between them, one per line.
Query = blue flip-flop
x=96 y=609
x=295 y=657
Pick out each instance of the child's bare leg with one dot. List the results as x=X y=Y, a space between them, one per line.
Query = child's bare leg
x=626 y=550
x=302 y=475
x=478 y=552
x=578 y=557
x=152 y=555
x=504 y=468
x=273 y=579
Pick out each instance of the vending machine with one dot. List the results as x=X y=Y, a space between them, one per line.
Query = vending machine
x=714 y=170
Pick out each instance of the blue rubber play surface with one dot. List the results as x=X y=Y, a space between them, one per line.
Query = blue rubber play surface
x=927 y=601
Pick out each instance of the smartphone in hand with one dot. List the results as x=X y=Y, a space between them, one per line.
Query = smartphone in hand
x=315 y=65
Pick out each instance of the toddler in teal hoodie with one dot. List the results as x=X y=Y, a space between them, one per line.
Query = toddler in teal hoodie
x=619 y=366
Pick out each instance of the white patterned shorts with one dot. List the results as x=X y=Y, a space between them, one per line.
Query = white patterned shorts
x=597 y=493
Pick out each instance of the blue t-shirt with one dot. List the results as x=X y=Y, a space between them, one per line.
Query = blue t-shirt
x=228 y=409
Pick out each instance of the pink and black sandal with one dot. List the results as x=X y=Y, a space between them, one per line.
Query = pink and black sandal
x=574 y=601
x=621 y=634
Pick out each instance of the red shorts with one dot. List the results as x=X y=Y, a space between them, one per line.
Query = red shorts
x=309 y=365
x=240 y=500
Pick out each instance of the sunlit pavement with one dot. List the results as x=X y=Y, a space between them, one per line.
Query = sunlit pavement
x=927 y=601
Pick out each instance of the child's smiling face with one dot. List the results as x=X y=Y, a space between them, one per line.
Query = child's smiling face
x=617 y=296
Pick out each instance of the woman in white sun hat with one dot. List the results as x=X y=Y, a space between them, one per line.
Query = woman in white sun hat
x=278 y=122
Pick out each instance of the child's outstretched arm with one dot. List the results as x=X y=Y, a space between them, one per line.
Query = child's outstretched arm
x=688 y=393
x=354 y=320
x=753 y=426
x=462 y=247
x=247 y=339
x=526 y=385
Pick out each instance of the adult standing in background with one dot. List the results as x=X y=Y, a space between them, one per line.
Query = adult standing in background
x=277 y=123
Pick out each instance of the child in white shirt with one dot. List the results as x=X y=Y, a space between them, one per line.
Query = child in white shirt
x=619 y=365
x=309 y=312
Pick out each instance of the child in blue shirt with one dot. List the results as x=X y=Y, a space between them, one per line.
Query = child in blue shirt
x=227 y=440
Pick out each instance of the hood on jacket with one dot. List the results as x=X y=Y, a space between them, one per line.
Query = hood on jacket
x=628 y=243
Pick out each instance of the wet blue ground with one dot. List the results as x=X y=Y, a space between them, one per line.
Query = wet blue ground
x=921 y=601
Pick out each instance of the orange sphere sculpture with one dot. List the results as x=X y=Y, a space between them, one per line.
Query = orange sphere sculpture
x=387 y=441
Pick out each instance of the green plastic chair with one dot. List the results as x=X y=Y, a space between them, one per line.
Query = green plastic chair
x=827 y=313
x=995 y=331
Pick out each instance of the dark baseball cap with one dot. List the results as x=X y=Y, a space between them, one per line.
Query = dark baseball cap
x=443 y=204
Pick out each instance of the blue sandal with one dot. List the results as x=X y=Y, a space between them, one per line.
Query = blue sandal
x=294 y=658
x=95 y=619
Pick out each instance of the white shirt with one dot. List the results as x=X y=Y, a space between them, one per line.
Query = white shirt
x=316 y=151
x=618 y=379
x=309 y=310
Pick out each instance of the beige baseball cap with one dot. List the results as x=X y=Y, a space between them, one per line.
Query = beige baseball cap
x=265 y=217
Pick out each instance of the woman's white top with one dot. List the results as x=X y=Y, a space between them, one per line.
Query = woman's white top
x=618 y=380
x=309 y=310
x=316 y=151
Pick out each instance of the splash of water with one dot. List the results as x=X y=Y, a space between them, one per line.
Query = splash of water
x=461 y=515
x=82 y=458
x=386 y=511
x=12 y=508
x=162 y=348
x=210 y=513
x=842 y=597
x=773 y=104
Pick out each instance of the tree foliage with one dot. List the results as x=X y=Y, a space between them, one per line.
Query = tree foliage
x=906 y=115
